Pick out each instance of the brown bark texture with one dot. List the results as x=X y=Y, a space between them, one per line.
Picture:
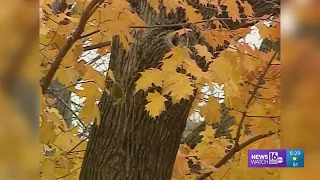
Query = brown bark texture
x=128 y=144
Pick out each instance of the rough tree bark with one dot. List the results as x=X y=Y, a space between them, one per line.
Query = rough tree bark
x=128 y=144
x=64 y=95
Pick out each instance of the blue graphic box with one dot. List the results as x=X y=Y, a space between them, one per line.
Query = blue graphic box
x=295 y=158
x=267 y=158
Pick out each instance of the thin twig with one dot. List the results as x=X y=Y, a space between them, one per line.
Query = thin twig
x=89 y=34
x=225 y=173
x=71 y=150
x=66 y=130
x=68 y=173
x=271 y=117
x=189 y=23
x=77 y=151
x=272 y=98
x=92 y=61
x=79 y=82
x=96 y=46
x=67 y=106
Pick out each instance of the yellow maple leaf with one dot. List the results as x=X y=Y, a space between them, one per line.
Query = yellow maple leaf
x=221 y=70
x=73 y=173
x=248 y=11
x=154 y=4
x=115 y=19
x=248 y=63
x=65 y=164
x=269 y=90
x=156 y=104
x=257 y=108
x=216 y=37
x=43 y=102
x=94 y=75
x=191 y=12
x=241 y=32
x=211 y=111
x=90 y=90
x=174 y=58
x=67 y=141
x=237 y=117
x=169 y=4
x=236 y=96
x=90 y=111
x=195 y=105
x=210 y=150
x=47 y=134
x=271 y=33
x=203 y=52
x=77 y=50
x=181 y=168
x=260 y=123
x=179 y=85
x=191 y=67
x=47 y=167
x=53 y=115
x=208 y=134
x=67 y=76
x=149 y=77
x=213 y=2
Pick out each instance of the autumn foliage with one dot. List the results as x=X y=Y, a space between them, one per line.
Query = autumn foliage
x=251 y=80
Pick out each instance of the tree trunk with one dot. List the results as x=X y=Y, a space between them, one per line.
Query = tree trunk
x=64 y=95
x=128 y=144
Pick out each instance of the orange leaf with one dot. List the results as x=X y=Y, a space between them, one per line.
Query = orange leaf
x=81 y=67
x=233 y=9
x=203 y=51
x=271 y=33
x=247 y=9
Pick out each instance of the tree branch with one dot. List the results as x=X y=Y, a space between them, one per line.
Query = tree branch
x=68 y=173
x=89 y=34
x=271 y=117
x=96 y=46
x=189 y=23
x=67 y=106
x=71 y=150
x=253 y=94
x=76 y=35
x=79 y=82
x=237 y=147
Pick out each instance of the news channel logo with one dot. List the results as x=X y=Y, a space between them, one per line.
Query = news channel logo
x=276 y=158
